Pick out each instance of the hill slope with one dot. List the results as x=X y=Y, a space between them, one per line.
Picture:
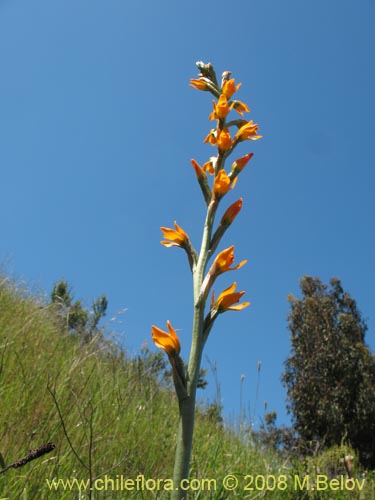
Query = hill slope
x=110 y=417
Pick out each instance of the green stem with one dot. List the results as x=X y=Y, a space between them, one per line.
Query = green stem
x=187 y=404
x=187 y=413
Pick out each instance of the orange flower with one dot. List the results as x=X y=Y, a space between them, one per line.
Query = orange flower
x=231 y=213
x=169 y=342
x=248 y=131
x=222 y=183
x=226 y=300
x=240 y=164
x=211 y=137
x=177 y=236
x=229 y=88
x=197 y=83
x=224 y=140
x=221 y=109
x=224 y=260
x=240 y=107
x=209 y=166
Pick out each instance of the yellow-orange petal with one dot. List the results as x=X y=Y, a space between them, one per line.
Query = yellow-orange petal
x=224 y=141
x=242 y=263
x=178 y=237
x=222 y=108
x=240 y=107
x=169 y=342
x=248 y=131
x=211 y=137
x=227 y=292
x=197 y=83
x=239 y=307
x=227 y=300
x=224 y=260
x=221 y=183
x=229 y=87
x=209 y=166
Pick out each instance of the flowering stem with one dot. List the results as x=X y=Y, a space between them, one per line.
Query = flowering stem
x=186 y=380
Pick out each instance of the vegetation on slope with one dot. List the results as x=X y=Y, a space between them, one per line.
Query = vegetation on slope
x=108 y=415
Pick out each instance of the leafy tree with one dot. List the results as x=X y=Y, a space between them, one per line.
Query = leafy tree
x=330 y=374
x=61 y=294
x=271 y=437
x=77 y=317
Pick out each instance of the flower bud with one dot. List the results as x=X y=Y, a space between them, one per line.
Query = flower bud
x=231 y=212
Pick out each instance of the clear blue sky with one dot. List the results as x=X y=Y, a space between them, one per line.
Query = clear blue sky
x=97 y=126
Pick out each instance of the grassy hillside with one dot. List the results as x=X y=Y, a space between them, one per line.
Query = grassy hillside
x=110 y=418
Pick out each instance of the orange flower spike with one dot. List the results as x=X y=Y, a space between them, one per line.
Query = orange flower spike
x=197 y=83
x=177 y=236
x=221 y=109
x=224 y=141
x=221 y=183
x=227 y=299
x=224 y=260
x=169 y=342
x=241 y=163
x=231 y=213
x=240 y=107
x=229 y=88
x=248 y=131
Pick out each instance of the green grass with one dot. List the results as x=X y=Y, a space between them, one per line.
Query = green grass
x=119 y=418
